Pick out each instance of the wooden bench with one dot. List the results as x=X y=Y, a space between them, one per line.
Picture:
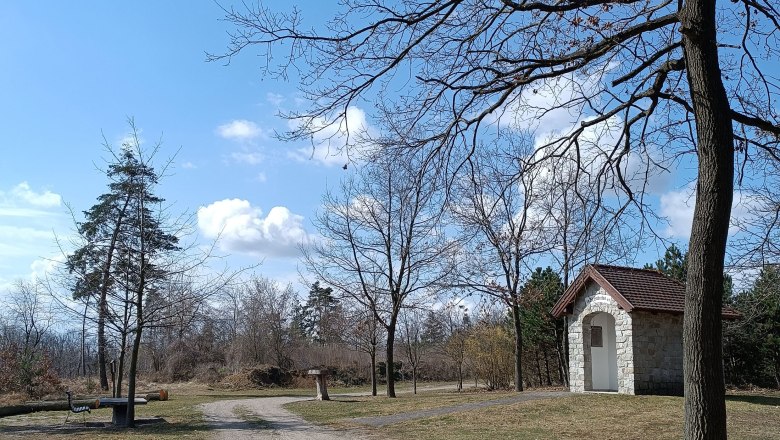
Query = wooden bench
x=118 y=406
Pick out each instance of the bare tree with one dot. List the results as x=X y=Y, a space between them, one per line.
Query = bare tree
x=30 y=312
x=687 y=76
x=137 y=266
x=23 y=339
x=413 y=341
x=457 y=323
x=365 y=336
x=275 y=305
x=502 y=218
x=383 y=244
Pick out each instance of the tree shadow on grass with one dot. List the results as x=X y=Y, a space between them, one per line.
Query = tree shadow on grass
x=756 y=400
x=155 y=426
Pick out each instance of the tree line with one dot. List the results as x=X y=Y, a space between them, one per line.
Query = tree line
x=646 y=86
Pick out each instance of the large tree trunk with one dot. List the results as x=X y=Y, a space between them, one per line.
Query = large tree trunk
x=705 y=407
x=131 y=377
x=133 y=371
x=101 y=340
x=58 y=405
x=518 y=345
x=389 y=359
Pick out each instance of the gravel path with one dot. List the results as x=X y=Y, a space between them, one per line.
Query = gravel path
x=403 y=417
x=277 y=422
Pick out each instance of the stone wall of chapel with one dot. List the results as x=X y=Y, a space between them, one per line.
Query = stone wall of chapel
x=658 y=353
x=592 y=301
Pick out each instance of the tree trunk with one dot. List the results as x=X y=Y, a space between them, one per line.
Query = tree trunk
x=460 y=376
x=547 y=367
x=58 y=405
x=131 y=375
x=518 y=345
x=705 y=407
x=139 y=325
x=83 y=366
x=101 y=340
x=777 y=371
x=560 y=351
x=120 y=373
x=538 y=367
x=373 y=371
x=414 y=380
x=103 y=306
x=389 y=360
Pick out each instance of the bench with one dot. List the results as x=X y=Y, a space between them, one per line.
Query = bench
x=118 y=406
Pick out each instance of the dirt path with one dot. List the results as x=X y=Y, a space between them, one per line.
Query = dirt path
x=265 y=418
x=232 y=420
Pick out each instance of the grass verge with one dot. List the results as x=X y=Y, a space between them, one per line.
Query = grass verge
x=583 y=416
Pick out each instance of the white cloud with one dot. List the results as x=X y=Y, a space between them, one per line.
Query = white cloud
x=23 y=194
x=274 y=98
x=261 y=177
x=29 y=220
x=188 y=166
x=547 y=107
x=247 y=157
x=331 y=141
x=242 y=228
x=553 y=109
x=239 y=130
x=41 y=267
x=677 y=207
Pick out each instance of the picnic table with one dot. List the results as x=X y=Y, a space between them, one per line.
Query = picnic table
x=119 y=408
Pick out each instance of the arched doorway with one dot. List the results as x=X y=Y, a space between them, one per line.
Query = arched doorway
x=601 y=364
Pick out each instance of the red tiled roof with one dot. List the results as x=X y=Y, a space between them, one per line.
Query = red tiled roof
x=632 y=289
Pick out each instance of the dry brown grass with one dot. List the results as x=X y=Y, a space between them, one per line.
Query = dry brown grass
x=589 y=416
x=179 y=417
x=339 y=410
x=592 y=416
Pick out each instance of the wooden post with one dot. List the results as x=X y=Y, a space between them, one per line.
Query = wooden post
x=322 y=386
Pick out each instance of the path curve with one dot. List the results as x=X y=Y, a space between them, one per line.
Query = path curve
x=277 y=422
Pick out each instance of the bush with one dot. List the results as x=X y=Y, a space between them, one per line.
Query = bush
x=262 y=376
x=27 y=372
x=347 y=376
x=209 y=373
x=270 y=375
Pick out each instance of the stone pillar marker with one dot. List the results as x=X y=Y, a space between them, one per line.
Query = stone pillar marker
x=322 y=387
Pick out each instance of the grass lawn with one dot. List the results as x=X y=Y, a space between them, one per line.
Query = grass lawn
x=585 y=416
x=339 y=410
x=179 y=417
x=588 y=416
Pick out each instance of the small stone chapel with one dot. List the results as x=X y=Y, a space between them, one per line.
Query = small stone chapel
x=625 y=330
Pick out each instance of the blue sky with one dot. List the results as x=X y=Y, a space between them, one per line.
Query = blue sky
x=74 y=72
